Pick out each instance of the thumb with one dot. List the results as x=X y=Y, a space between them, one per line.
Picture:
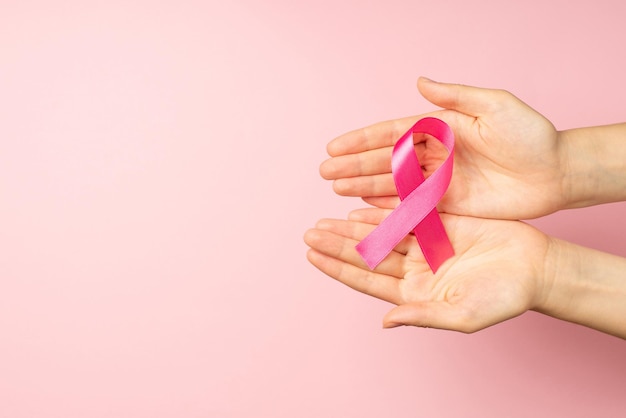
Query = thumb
x=441 y=315
x=472 y=101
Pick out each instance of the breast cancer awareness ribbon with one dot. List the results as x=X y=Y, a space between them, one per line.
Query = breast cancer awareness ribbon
x=417 y=210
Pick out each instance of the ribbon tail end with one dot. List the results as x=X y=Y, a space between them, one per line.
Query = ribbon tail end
x=442 y=255
x=368 y=257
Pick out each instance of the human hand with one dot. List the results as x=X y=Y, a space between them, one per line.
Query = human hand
x=508 y=163
x=497 y=273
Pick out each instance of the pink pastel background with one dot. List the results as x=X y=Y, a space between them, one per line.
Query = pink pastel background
x=158 y=167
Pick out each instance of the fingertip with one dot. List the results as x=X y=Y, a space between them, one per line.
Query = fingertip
x=373 y=216
x=314 y=257
x=424 y=80
x=355 y=215
x=391 y=324
x=313 y=237
x=306 y=237
x=333 y=148
x=433 y=92
x=325 y=170
x=391 y=320
x=411 y=314
x=330 y=148
x=382 y=202
x=341 y=187
x=325 y=224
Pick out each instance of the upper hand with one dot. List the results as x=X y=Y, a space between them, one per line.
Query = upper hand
x=508 y=162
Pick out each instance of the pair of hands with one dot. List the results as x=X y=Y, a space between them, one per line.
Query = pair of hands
x=509 y=164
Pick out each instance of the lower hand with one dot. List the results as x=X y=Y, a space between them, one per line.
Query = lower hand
x=496 y=274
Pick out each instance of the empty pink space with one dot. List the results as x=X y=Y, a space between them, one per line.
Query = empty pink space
x=159 y=165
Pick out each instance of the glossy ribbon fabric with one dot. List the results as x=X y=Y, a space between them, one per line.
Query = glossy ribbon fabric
x=417 y=211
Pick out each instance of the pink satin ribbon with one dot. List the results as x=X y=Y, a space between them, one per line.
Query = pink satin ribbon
x=417 y=210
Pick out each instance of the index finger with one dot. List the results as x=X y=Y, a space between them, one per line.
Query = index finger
x=379 y=135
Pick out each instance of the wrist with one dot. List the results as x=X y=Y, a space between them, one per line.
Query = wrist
x=578 y=180
x=584 y=286
x=559 y=262
x=593 y=162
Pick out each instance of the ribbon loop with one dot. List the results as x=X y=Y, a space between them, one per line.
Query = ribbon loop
x=417 y=210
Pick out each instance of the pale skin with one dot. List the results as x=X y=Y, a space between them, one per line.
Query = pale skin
x=510 y=163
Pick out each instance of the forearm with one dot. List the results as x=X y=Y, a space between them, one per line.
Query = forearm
x=585 y=286
x=594 y=162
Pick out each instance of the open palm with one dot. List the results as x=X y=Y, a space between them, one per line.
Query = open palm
x=495 y=274
x=508 y=159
